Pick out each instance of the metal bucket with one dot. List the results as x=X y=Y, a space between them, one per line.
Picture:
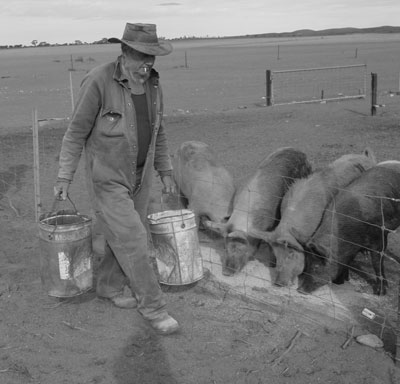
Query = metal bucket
x=176 y=243
x=66 y=253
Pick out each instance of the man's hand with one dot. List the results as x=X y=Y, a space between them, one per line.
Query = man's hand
x=169 y=185
x=61 y=189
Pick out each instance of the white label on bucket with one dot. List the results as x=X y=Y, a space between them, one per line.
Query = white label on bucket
x=63 y=265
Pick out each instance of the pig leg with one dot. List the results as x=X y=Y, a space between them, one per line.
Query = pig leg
x=343 y=276
x=377 y=260
x=381 y=283
x=375 y=281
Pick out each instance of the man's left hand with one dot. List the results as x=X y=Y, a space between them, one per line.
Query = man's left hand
x=169 y=185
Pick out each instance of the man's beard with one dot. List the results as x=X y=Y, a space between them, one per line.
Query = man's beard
x=140 y=77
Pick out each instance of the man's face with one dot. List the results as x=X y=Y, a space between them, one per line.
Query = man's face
x=137 y=64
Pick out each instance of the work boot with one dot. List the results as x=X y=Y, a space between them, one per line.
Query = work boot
x=165 y=325
x=122 y=301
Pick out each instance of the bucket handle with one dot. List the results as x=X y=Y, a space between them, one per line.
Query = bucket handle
x=55 y=204
x=183 y=225
x=57 y=201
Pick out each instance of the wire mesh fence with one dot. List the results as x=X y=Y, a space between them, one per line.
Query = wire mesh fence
x=347 y=300
x=17 y=168
x=16 y=155
x=256 y=280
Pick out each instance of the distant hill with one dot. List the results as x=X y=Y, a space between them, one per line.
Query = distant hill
x=306 y=33
x=298 y=33
x=327 y=32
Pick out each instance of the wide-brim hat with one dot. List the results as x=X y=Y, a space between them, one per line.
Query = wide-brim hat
x=143 y=38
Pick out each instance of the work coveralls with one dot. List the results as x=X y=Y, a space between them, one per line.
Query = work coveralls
x=104 y=124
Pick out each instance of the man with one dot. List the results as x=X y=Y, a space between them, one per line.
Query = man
x=118 y=120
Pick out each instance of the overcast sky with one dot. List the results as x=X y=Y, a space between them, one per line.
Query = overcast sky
x=64 y=21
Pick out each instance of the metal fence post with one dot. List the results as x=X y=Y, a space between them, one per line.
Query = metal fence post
x=269 y=88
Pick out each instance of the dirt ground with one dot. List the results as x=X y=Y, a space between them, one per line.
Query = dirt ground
x=226 y=337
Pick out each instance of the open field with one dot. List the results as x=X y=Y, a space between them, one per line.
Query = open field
x=221 y=74
x=225 y=338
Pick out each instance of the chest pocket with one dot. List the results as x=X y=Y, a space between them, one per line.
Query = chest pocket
x=110 y=123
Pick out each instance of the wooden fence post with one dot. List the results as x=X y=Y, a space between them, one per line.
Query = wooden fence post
x=269 y=88
x=374 y=89
x=72 y=64
x=36 y=173
x=71 y=89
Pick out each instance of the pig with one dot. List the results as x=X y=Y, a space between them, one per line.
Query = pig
x=206 y=185
x=302 y=209
x=359 y=218
x=256 y=205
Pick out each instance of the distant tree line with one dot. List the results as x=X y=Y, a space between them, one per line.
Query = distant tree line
x=104 y=40
x=36 y=43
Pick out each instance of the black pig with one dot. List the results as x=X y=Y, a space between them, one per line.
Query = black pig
x=357 y=220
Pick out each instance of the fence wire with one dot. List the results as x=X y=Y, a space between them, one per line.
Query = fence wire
x=250 y=281
x=255 y=280
x=318 y=84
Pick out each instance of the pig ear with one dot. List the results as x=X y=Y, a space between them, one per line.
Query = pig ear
x=318 y=251
x=290 y=242
x=370 y=153
x=220 y=228
x=238 y=235
x=263 y=235
x=298 y=236
x=310 y=251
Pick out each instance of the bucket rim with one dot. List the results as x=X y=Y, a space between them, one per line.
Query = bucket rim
x=44 y=221
x=178 y=214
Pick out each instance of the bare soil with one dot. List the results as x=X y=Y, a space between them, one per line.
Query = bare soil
x=226 y=337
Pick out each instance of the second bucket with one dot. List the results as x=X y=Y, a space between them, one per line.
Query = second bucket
x=176 y=243
x=66 y=253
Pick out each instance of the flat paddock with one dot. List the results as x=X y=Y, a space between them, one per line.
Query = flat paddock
x=236 y=329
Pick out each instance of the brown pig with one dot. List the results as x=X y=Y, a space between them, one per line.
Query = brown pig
x=206 y=185
x=302 y=210
x=256 y=205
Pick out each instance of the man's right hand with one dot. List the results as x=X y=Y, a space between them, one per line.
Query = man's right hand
x=61 y=189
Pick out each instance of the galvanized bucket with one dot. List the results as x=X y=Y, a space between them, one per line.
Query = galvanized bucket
x=176 y=243
x=66 y=253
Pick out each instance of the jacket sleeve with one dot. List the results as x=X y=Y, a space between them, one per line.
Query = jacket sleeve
x=83 y=119
x=162 y=160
